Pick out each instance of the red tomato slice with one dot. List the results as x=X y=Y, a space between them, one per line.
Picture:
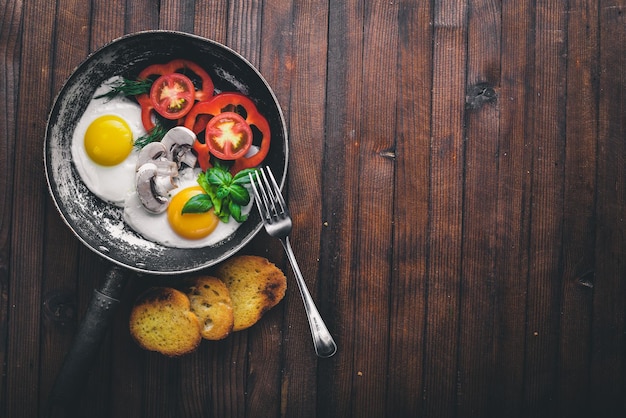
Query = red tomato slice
x=228 y=136
x=172 y=95
x=202 y=111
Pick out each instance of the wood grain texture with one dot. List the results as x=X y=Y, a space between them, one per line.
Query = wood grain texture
x=457 y=184
x=27 y=235
x=10 y=62
x=511 y=254
x=406 y=362
x=445 y=211
x=483 y=106
x=579 y=206
x=607 y=339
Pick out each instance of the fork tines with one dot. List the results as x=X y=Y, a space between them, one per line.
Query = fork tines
x=267 y=194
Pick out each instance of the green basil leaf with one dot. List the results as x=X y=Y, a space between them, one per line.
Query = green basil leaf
x=224 y=213
x=216 y=176
x=235 y=211
x=200 y=203
x=217 y=204
x=220 y=164
x=222 y=191
x=202 y=181
x=239 y=195
x=242 y=176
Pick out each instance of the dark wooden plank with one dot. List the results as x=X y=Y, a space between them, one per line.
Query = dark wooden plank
x=579 y=205
x=374 y=184
x=140 y=15
x=514 y=166
x=482 y=127
x=445 y=209
x=339 y=201
x=27 y=238
x=546 y=228
x=360 y=177
x=10 y=56
x=609 y=291
x=107 y=22
x=211 y=19
x=244 y=29
x=340 y=162
x=177 y=15
x=412 y=152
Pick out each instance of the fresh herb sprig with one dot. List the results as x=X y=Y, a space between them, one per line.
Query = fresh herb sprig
x=126 y=87
x=225 y=193
x=156 y=134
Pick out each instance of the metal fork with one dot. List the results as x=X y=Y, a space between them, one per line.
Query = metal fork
x=278 y=224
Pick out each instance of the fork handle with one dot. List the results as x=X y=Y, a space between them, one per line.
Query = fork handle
x=322 y=340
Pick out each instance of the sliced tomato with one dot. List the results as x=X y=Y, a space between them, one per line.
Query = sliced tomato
x=182 y=66
x=172 y=95
x=190 y=69
x=225 y=102
x=228 y=136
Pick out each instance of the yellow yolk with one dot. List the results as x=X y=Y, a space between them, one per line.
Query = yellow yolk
x=190 y=225
x=108 y=140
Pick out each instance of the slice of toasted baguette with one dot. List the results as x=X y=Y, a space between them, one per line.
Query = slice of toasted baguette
x=255 y=285
x=161 y=320
x=210 y=301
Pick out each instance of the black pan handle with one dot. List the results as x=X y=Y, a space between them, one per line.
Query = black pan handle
x=72 y=377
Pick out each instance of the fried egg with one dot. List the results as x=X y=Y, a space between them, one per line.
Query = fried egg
x=173 y=229
x=102 y=145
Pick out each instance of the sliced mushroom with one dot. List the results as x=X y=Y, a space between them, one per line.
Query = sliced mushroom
x=150 y=188
x=152 y=152
x=163 y=183
x=178 y=142
x=165 y=168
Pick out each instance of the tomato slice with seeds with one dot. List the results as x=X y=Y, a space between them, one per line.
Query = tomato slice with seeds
x=202 y=111
x=228 y=136
x=172 y=95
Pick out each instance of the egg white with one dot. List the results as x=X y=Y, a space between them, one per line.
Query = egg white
x=156 y=227
x=111 y=184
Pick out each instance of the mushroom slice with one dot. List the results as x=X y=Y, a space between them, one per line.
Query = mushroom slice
x=150 y=188
x=163 y=184
x=165 y=168
x=178 y=142
x=154 y=151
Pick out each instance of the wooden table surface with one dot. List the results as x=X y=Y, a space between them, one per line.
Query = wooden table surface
x=458 y=184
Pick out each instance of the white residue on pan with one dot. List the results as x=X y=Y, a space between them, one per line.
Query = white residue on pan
x=228 y=77
x=83 y=208
x=113 y=223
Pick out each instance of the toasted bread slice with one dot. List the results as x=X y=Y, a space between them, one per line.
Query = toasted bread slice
x=255 y=285
x=210 y=301
x=161 y=320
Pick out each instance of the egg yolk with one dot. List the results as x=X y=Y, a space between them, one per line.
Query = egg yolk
x=190 y=225
x=108 y=140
